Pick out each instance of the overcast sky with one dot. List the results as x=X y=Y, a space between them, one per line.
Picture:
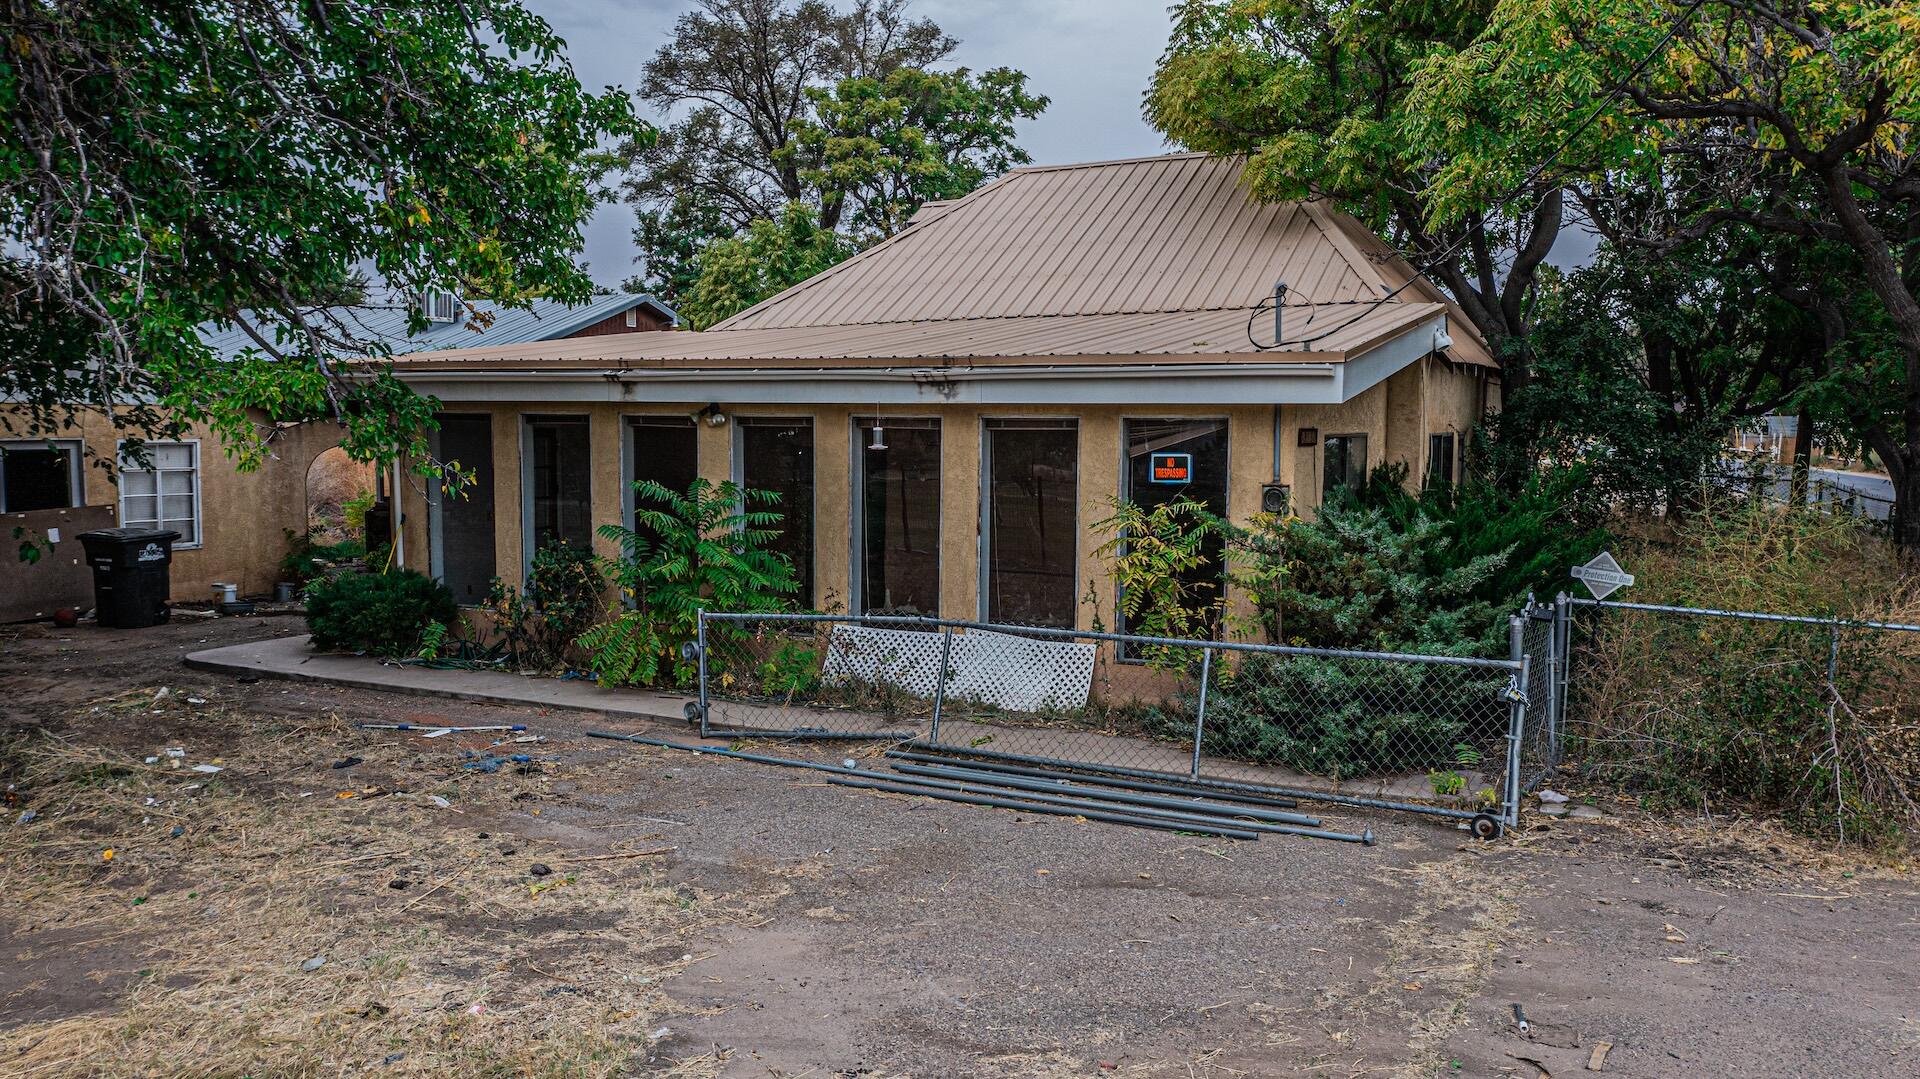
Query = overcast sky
x=1092 y=57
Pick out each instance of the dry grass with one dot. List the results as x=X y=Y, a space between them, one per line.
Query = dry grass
x=475 y=968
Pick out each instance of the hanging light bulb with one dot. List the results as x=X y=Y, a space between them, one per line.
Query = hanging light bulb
x=879 y=436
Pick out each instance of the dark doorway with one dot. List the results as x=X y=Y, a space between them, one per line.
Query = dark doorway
x=1205 y=442
x=665 y=450
x=1032 y=526
x=466 y=515
x=559 y=483
x=899 y=486
x=777 y=455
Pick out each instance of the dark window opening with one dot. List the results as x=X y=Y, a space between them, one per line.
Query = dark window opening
x=466 y=515
x=665 y=450
x=1032 y=508
x=899 y=516
x=559 y=488
x=35 y=476
x=1205 y=442
x=1440 y=458
x=777 y=455
x=1344 y=458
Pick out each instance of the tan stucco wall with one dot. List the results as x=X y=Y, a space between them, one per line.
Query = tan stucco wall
x=243 y=515
x=1250 y=465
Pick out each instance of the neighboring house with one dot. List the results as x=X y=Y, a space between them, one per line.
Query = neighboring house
x=233 y=524
x=947 y=414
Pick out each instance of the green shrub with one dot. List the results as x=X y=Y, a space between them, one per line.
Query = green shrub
x=306 y=560
x=1345 y=718
x=714 y=552
x=384 y=614
x=563 y=593
x=1691 y=712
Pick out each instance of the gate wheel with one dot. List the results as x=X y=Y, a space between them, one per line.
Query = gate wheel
x=1487 y=826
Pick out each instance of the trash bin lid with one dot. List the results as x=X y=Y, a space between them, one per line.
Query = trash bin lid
x=129 y=535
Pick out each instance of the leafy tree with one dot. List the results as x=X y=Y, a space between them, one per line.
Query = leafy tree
x=1319 y=95
x=714 y=552
x=167 y=164
x=1791 y=118
x=882 y=146
x=796 y=102
x=740 y=271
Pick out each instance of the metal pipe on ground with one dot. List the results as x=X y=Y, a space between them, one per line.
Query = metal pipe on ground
x=776 y=735
x=1063 y=785
x=757 y=758
x=1216 y=787
x=1166 y=824
x=998 y=790
x=857 y=778
x=1173 y=785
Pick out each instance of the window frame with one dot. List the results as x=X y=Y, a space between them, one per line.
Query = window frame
x=809 y=598
x=1125 y=492
x=1346 y=449
x=857 y=426
x=198 y=473
x=984 y=533
x=1447 y=459
x=76 y=487
x=527 y=421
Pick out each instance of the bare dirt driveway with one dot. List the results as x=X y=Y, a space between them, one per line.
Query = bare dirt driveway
x=336 y=901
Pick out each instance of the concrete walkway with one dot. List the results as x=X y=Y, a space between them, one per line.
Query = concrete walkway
x=291 y=658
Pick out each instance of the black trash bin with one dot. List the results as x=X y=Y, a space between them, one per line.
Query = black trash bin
x=130 y=574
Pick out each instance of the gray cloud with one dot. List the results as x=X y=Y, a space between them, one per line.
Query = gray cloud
x=1092 y=57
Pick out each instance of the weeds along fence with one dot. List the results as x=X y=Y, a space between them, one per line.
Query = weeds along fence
x=1814 y=717
x=1444 y=735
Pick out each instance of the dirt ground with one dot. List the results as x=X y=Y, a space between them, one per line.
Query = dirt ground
x=703 y=917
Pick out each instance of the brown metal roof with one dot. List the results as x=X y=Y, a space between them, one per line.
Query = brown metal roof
x=1163 y=335
x=1159 y=257
x=1173 y=233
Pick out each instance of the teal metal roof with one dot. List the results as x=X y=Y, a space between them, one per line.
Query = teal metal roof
x=376 y=326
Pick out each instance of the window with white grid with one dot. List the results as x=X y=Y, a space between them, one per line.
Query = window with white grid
x=163 y=492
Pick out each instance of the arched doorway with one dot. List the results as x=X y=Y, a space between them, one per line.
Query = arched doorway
x=339 y=489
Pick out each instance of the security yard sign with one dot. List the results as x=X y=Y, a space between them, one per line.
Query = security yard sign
x=1170 y=467
x=1603 y=576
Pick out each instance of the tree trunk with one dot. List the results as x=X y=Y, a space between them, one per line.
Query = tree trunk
x=1802 y=458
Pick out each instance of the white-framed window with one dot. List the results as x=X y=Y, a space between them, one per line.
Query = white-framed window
x=633 y=318
x=164 y=492
x=40 y=474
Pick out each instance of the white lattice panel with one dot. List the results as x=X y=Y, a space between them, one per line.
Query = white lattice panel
x=1020 y=674
x=909 y=659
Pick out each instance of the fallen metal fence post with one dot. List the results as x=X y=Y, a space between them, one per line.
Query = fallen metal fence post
x=1200 y=714
x=940 y=686
x=700 y=643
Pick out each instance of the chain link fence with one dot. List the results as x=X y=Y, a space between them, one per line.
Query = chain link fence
x=1817 y=717
x=1444 y=735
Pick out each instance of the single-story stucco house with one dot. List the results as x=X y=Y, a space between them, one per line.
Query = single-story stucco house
x=947 y=414
x=232 y=524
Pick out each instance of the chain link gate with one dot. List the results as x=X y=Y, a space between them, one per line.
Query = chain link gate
x=1441 y=735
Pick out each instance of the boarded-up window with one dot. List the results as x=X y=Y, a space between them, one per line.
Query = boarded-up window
x=1032 y=521
x=1201 y=445
x=559 y=482
x=899 y=492
x=777 y=455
